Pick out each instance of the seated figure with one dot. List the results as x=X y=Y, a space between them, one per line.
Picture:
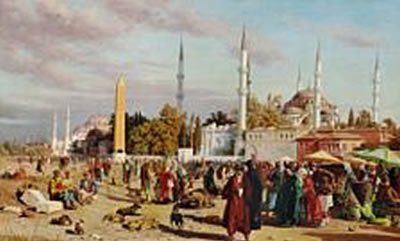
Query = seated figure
x=387 y=195
x=88 y=189
x=58 y=191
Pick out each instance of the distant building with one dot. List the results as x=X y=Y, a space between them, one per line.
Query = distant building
x=372 y=137
x=271 y=144
x=337 y=143
x=217 y=140
x=299 y=110
x=96 y=143
x=100 y=122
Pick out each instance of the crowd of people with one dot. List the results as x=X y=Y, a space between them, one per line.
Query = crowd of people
x=62 y=188
x=283 y=193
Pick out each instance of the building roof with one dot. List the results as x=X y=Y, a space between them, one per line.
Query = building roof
x=330 y=135
x=302 y=99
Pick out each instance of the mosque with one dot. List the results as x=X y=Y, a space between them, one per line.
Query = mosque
x=308 y=111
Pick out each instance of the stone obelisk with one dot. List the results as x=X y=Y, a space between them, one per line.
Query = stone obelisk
x=119 y=118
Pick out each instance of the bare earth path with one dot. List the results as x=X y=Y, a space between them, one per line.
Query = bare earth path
x=193 y=230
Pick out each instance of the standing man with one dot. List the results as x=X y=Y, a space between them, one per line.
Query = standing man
x=277 y=177
x=253 y=193
x=237 y=212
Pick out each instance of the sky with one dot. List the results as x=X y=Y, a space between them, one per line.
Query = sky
x=54 y=53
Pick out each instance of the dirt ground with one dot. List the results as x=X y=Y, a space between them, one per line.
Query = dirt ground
x=113 y=197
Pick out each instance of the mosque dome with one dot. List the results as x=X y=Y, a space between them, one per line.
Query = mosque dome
x=303 y=100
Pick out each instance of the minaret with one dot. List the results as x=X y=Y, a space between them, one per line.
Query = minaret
x=54 y=134
x=119 y=117
x=317 y=90
x=376 y=90
x=180 y=77
x=248 y=81
x=243 y=84
x=298 y=81
x=67 y=140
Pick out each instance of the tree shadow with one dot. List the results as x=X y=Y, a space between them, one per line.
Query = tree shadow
x=191 y=234
x=352 y=237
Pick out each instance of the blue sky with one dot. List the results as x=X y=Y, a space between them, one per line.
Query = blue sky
x=59 y=52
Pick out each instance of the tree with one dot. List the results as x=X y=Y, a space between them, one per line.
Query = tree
x=390 y=125
x=220 y=118
x=350 y=121
x=364 y=119
x=264 y=115
x=197 y=136
x=160 y=135
x=191 y=132
x=274 y=101
x=183 y=136
x=394 y=143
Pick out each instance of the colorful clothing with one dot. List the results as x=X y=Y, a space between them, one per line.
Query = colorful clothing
x=237 y=212
x=312 y=202
x=253 y=195
x=288 y=205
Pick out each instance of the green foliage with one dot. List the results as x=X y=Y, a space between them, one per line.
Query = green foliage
x=191 y=131
x=158 y=136
x=394 y=143
x=390 y=125
x=264 y=114
x=183 y=136
x=219 y=118
x=197 y=136
x=364 y=120
x=350 y=121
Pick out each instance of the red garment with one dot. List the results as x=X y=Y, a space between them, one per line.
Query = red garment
x=313 y=205
x=165 y=178
x=237 y=213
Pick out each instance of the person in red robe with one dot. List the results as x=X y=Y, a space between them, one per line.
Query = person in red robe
x=312 y=202
x=237 y=212
x=166 y=185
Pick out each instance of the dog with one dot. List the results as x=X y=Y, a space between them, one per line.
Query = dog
x=176 y=218
x=78 y=229
x=63 y=220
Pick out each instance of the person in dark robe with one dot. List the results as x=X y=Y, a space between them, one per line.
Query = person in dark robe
x=288 y=205
x=237 y=212
x=39 y=166
x=209 y=182
x=276 y=184
x=253 y=193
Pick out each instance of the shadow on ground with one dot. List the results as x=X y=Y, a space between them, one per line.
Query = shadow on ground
x=212 y=220
x=352 y=237
x=383 y=229
x=191 y=234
